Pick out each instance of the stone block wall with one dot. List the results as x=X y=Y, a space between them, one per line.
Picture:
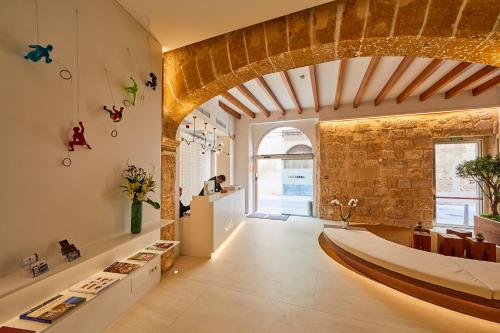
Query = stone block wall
x=388 y=163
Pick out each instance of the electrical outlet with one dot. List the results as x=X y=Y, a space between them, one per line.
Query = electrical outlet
x=30 y=259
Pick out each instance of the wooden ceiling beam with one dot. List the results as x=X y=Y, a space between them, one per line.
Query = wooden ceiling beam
x=314 y=86
x=424 y=75
x=442 y=82
x=486 y=85
x=372 y=67
x=229 y=110
x=245 y=92
x=236 y=102
x=486 y=70
x=340 y=83
x=398 y=73
x=291 y=92
x=263 y=84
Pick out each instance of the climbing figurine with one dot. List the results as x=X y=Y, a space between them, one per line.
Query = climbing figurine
x=153 y=81
x=78 y=138
x=39 y=52
x=132 y=90
x=115 y=115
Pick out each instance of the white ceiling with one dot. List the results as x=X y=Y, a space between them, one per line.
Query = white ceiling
x=178 y=23
x=327 y=74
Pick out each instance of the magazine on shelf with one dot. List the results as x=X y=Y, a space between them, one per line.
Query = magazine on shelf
x=143 y=256
x=53 y=309
x=122 y=268
x=7 y=329
x=158 y=246
x=94 y=285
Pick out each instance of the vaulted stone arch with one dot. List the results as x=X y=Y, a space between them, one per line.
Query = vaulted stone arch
x=465 y=30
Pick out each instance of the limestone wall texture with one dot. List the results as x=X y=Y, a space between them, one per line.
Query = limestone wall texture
x=387 y=163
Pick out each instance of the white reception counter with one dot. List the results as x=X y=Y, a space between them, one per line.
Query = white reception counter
x=213 y=219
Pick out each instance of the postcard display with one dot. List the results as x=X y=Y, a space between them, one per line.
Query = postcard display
x=119 y=283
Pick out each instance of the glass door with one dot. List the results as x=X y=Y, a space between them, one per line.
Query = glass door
x=285 y=186
x=457 y=199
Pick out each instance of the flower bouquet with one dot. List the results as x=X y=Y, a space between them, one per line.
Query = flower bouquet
x=345 y=215
x=137 y=184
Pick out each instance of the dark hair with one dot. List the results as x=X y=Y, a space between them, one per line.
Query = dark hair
x=222 y=177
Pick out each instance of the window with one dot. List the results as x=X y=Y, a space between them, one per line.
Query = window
x=457 y=199
x=194 y=168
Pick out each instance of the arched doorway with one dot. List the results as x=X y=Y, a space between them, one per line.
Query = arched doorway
x=284 y=177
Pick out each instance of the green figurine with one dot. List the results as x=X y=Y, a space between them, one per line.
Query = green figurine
x=132 y=90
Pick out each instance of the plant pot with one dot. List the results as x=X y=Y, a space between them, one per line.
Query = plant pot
x=344 y=224
x=136 y=218
x=489 y=228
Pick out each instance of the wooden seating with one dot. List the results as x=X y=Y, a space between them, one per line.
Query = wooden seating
x=421 y=241
x=462 y=233
x=477 y=250
x=451 y=245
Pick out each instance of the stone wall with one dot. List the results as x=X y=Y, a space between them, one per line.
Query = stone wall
x=388 y=162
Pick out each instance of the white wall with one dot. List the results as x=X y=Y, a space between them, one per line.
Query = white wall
x=249 y=133
x=43 y=202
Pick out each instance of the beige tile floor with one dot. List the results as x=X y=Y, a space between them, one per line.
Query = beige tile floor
x=274 y=277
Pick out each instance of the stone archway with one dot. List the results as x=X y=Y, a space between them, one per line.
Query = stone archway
x=465 y=30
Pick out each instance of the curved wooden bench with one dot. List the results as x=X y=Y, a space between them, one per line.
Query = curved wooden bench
x=467 y=286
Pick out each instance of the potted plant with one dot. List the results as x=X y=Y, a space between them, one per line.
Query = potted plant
x=485 y=172
x=137 y=184
x=345 y=215
x=479 y=236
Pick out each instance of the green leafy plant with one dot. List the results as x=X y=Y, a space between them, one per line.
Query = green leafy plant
x=137 y=184
x=485 y=171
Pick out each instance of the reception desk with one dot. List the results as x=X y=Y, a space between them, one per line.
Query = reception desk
x=213 y=219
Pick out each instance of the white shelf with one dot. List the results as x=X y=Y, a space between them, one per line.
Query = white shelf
x=21 y=279
x=39 y=327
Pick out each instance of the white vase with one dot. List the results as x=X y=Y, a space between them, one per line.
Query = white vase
x=344 y=224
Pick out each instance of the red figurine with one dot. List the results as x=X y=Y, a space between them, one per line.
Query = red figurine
x=115 y=115
x=78 y=138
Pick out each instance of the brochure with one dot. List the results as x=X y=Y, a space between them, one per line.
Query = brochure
x=53 y=309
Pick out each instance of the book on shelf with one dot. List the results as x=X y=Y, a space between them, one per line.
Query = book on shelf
x=143 y=256
x=7 y=329
x=53 y=309
x=121 y=267
x=158 y=246
x=94 y=285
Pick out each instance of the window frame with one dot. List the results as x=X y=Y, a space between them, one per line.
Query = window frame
x=452 y=140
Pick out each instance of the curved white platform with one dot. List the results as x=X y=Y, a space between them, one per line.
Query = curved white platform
x=464 y=285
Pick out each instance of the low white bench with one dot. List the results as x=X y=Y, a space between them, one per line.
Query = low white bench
x=464 y=285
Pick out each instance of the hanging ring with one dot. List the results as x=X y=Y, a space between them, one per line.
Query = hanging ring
x=114 y=133
x=65 y=74
x=66 y=162
x=127 y=103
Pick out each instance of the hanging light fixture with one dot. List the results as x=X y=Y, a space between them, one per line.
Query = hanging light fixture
x=203 y=139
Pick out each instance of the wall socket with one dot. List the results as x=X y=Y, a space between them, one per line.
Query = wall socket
x=30 y=259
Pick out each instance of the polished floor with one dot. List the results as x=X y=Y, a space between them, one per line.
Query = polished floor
x=273 y=277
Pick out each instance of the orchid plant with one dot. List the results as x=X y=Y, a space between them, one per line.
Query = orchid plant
x=345 y=216
x=137 y=184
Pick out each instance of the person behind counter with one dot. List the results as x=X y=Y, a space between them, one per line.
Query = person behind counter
x=218 y=181
x=182 y=209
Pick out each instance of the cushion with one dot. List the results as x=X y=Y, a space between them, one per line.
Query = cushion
x=425 y=266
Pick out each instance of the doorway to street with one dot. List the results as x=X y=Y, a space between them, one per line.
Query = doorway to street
x=284 y=178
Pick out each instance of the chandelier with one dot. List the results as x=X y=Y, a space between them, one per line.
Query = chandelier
x=205 y=143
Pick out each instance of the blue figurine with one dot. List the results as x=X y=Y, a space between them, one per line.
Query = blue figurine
x=39 y=52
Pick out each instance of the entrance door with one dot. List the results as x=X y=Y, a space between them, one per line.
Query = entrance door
x=284 y=177
x=285 y=186
x=457 y=199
